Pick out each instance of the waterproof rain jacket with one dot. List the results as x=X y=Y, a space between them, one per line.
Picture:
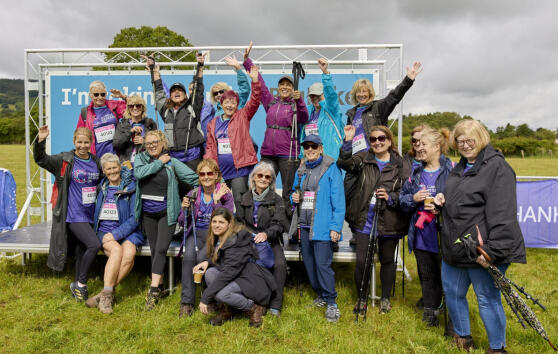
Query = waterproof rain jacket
x=122 y=141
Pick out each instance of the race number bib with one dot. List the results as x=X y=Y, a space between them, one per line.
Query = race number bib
x=311 y=129
x=224 y=146
x=105 y=133
x=88 y=195
x=109 y=212
x=156 y=198
x=308 y=200
x=359 y=143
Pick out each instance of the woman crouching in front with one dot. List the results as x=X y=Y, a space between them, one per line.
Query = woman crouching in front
x=234 y=280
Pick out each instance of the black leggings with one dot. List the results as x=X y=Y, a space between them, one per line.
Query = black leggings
x=287 y=167
x=386 y=253
x=159 y=234
x=429 y=270
x=238 y=186
x=87 y=247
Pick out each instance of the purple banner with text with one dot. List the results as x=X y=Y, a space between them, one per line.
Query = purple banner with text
x=537 y=212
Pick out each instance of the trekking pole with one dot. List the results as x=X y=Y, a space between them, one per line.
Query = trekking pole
x=151 y=67
x=192 y=201
x=403 y=270
x=299 y=243
x=444 y=307
x=191 y=99
x=298 y=72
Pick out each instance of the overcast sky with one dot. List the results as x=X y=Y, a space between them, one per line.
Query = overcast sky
x=494 y=60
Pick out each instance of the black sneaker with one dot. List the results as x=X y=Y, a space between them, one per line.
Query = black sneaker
x=78 y=292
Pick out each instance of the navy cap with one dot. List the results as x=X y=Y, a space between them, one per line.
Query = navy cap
x=179 y=85
x=312 y=139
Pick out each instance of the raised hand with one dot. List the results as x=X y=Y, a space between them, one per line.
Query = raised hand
x=414 y=70
x=43 y=133
x=231 y=61
x=349 y=132
x=217 y=195
x=200 y=58
x=254 y=73
x=117 y=94
x=148 y=62
x=247 y=51
x=322 y=62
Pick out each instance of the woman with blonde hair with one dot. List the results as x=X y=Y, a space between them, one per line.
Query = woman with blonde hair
x=412 y=155
x=131 y=129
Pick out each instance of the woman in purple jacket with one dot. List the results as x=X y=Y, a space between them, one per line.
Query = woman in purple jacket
x=210 y=195
x=280 y=147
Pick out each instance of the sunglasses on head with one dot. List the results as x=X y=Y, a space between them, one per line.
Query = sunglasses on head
x=138 y=105
x=208 y=174
x=215 y=93
x=415 y=141
x=380 y=138
x=97 y=94
x=312 y=146
x=261 y=175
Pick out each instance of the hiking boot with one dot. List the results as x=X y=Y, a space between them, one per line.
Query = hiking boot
x=332 y=313
x=78 y=292
x=319 y=302
x=93 y=302
x=151 y=299
x=186 y=310
x=275 y=312
x=466 y=342
x=256 y=313
x=360 y=310
x=495 y=351
x=224 y=313
x=385 y=305
x=105 y=301
x=430 y=316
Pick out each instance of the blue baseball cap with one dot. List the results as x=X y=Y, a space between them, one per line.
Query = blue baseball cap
x=312 y=138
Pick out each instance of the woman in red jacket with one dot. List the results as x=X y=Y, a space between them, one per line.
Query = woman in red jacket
x=229 y=142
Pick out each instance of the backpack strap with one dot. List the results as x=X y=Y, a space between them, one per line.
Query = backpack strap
x=334 y=126
x=84 y=113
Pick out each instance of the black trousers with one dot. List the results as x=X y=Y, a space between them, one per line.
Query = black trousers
x=280 y=275
x=287 y=168
x=87 y=247
x=159 y=234
x=430 y=275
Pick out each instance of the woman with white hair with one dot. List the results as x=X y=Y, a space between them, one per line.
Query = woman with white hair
x=263 y=212
x=101 y=117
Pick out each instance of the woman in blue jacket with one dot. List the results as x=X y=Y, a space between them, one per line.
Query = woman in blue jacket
x=318 y=194
x=416 y=198
x=116 y=227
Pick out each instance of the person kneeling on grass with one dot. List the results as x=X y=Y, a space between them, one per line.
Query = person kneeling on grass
x=116 y=227
x=234 y=279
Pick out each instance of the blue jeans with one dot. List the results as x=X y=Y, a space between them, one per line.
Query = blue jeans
x=317 y=257
x=456 y=282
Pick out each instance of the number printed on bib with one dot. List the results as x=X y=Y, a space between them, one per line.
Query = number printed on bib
x=224 y=146
x=105 y=133
x=88 y=195
x=109 y=212
x=308 y=200
x=311 y=129
x=359 y=143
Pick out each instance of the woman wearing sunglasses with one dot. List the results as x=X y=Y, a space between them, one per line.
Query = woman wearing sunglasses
x=158 y=202
x=210 y=195
x=318 y=194
x=411 y=156
x=228 y=139
x=101 y=117
x=379 y=172
x=130 y=131
x=262 y=211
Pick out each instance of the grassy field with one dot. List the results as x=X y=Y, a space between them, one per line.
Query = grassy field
x=37 y=313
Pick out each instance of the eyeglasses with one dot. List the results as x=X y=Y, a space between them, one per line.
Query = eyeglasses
x=380 y=138
x=215 y=93
x=152 y=143
x=208 y=174
x=97 y=94
x=261 y=175
x=461 y=143
x=415 y=141
x=138 y=106
x=308 y=146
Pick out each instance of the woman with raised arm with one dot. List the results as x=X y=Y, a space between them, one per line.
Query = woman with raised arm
x=131 y=129
x=101 y=117
x=380 y=173
x=158 y=203
x=116 y=227
x=228 y=139
x=281 y=147
x=210 y=195
x=234 y=280
x=77 y=173
x=262 y=211
x=480 y=211
x=417 y=199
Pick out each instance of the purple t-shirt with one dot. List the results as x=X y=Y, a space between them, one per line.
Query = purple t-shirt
x=224 y=152
x=104 y=126
x=108 y=218
x=204 y=213
x=82 y=191
x=360 y=141
x=427 y=239
x=184 y=156
x=467 y=167
x=368 y=225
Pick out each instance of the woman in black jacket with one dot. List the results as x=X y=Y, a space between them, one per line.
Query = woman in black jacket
x=77 y=174
x=130 y=131
x=233 y=279
x=262 y=211
x=479 y=217
x=379 y=173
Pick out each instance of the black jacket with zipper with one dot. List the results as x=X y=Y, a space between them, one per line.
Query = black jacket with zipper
x=122 y=141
